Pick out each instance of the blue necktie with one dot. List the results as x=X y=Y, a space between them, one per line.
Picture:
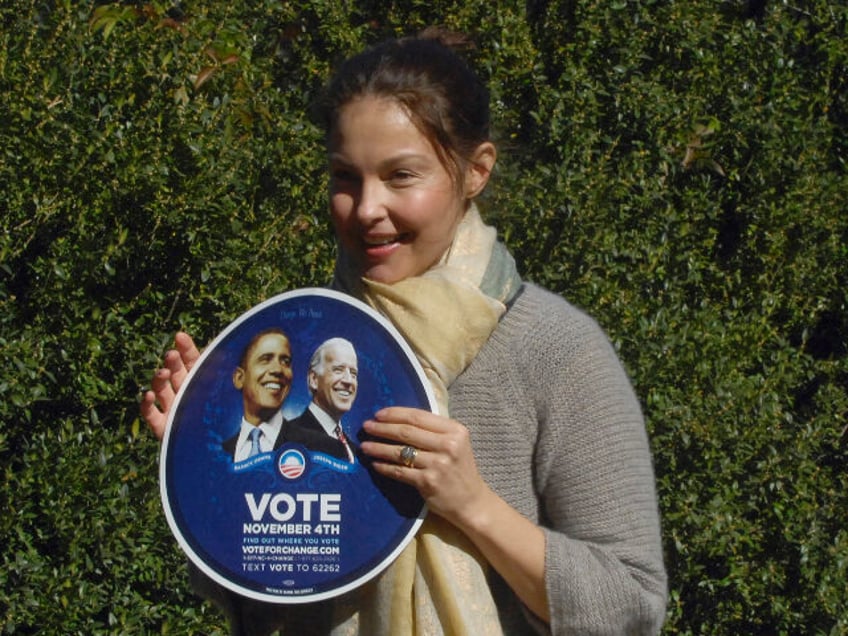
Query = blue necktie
x=254 y=442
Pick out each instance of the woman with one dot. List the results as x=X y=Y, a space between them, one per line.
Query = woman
x=543 y=467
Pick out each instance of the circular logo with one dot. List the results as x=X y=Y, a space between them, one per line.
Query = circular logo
x=291 y=463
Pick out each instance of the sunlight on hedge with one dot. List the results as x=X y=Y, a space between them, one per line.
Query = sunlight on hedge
x=678 y=169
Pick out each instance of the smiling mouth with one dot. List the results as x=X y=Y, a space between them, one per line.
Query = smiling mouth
x=380 y=241
x=272 y=386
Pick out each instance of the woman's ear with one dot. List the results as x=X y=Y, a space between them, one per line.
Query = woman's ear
x=480 y=168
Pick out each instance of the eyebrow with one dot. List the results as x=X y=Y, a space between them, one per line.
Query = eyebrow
x=273 y=354
x=404 y=155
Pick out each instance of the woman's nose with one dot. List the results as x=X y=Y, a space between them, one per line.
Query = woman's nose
x=371 y=204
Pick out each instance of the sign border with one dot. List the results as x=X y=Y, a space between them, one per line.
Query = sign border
x=169 y=428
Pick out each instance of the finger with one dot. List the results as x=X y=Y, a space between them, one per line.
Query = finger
x=403 y=434
x=163 y=389
x=391 y=453
x=152 y=415
x=188 y=351
x=177 y=371
x=398 y=472
x=182 y=359
x=418 y=418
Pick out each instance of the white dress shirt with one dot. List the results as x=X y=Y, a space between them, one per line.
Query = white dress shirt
x=270 y=431
x=329 y=425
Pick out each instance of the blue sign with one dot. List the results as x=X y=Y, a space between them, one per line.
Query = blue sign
x=262 y=480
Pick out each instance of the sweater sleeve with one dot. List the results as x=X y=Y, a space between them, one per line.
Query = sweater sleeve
x=604 y=570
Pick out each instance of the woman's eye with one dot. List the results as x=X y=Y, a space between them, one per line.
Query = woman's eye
x=343 y=175
x=399 y=176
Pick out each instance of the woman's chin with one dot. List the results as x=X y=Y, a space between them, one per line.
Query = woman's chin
x=388 y=273
x=381 y=275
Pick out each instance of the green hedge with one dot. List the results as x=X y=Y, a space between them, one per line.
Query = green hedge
x=676 y=168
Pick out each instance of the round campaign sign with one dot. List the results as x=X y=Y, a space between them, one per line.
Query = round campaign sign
x=262 y=480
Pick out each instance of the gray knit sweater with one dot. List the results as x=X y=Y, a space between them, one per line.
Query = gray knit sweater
x=558 y=433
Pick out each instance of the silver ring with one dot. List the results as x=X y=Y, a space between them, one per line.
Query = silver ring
x=408 y=455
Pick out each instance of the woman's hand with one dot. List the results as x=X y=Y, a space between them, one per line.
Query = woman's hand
x=443 y=469
x=445 y=473
x=156 y=402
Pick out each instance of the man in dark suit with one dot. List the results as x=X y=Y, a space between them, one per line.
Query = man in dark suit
x=332 y=380
x=263 y=376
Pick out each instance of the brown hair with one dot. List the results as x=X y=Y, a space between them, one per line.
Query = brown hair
x=443 y=97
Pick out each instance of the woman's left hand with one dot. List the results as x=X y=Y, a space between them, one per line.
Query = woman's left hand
x=445 y=473
x=443 y=469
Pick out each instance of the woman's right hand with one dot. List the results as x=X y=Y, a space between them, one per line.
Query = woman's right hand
x=156 y=402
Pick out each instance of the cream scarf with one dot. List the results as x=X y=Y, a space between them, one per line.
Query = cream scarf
x=438 y=583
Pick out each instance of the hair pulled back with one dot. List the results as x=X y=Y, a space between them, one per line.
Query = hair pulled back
x=440 y=93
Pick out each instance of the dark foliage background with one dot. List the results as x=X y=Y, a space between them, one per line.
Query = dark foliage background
x=676 y=168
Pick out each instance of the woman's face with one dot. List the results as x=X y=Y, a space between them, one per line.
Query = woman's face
x=394 y=205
